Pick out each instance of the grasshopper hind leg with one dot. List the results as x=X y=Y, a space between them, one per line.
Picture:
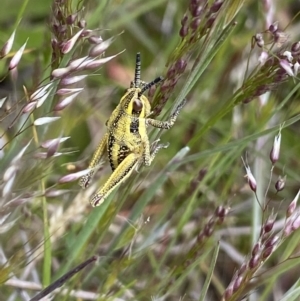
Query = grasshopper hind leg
x=84 y=181
x=119 y=175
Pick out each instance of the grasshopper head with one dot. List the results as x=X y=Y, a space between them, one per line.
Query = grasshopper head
x=134 y=102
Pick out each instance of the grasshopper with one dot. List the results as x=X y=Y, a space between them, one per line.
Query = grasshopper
x=126 y=139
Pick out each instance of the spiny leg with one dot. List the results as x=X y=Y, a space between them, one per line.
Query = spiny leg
x=156 y=150
x=166 y=124
x=119 y=175
x=84 y=181
x=146 y=152
x=149 y=156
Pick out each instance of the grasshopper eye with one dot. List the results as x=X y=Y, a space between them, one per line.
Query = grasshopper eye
x=137 y=105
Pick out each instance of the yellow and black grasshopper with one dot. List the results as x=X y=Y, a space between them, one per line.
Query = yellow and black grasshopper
x=126 y=139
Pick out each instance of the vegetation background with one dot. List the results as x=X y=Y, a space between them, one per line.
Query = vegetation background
x=189 y=227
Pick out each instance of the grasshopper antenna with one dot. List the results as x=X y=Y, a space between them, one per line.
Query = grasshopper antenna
x=148 y=86
x=137 y=75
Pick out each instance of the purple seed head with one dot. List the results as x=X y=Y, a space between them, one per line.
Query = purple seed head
x=251 y=179
x=261 y=90
x=258 y=38
x=216 y=6
x=151 y=91
x=7 y=45
x=254 y=261
x=68 y=46
x=171 y=72
x=237 y=283
x=248 y=99
x=165 y=87
x=275 y=151
x=296 y=221
x=193 y=5
x=228 y=292
x=58 y=14
x=210 y=21
x=280 y=37
x=197 y=11
x=256 y=249
x=295 y=49
x=292 y=206
x=280 y=75
x=173 y=82
x=82 y=23
x=195 y=23
x=272 y=241
x=180 y=66
x=184 y=20
x=267 y=252
x=208 y=230
x=95 y=39
x=16 y=58
x=268 y=226
x=242 y=269
x=280 y=183
x=71 y=19
x=54 y=43
x=184 y=30
x=273 y=27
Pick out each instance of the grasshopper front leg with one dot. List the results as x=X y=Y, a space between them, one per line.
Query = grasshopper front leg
x=84 y=181
x=119 y=175
x=169 y=123
x=162 y=125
